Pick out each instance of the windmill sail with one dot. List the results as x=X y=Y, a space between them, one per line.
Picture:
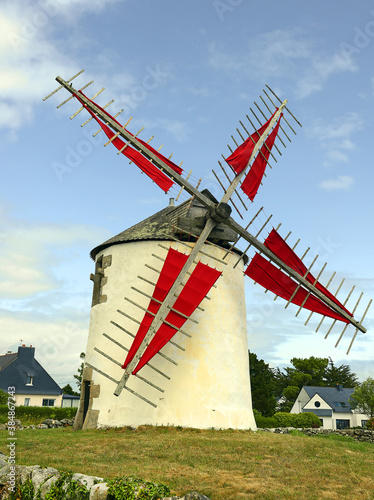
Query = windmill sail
x=195 y=290
x=267 y=275
x=162 y=180
x=172 y=266
x=239 y=159
x=278 y=246
x=253 y=179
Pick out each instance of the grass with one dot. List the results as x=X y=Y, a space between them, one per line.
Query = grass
x=223 y=465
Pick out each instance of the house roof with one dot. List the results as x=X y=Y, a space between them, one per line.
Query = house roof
x=336 y=397
x=190 y=216
x=16 y=368
x=6 y=359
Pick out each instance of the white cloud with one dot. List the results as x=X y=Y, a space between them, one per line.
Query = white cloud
x=335 y=137
x=31 y=254
x=57 y=342
x=343 y=182
x=279 y=53
x=29 y=57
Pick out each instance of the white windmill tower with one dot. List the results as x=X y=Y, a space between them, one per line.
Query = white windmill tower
x=168 y=321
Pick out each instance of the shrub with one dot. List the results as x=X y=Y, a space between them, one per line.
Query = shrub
x=370 y=423
x=299 y=420
x=38 y=413
x=306 y=420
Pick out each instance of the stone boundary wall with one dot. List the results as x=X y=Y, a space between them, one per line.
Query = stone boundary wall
x=357 y=434
x=45 y=478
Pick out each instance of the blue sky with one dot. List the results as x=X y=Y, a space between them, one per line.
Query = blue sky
x=187 y=72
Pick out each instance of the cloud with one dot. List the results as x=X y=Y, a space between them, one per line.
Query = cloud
x=57 y=341
x=31 y=254
x=279 y=53
x=341 y=183
x=336 y=137
x=31 y=55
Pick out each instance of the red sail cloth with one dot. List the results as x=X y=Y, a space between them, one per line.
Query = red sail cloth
x=172 y=266
x=168 y=162
x=162 y=180
x=267 y=275
x=278 y=246
x=254 y=177
x=198 y=285
x=239 y=159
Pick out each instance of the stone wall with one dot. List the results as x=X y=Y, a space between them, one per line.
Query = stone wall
x=357 y=434
x=43 y=479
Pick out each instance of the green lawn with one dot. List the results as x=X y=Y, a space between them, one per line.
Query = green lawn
x=223 y=465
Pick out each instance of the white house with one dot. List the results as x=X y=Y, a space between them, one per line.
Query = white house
x=33 y=386
x=331 y=405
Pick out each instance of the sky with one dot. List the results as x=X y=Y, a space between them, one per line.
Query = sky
x=187 y=72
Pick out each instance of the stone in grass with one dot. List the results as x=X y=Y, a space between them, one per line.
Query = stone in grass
x=87 y=481
x=40 y=476
x=99 y=492
x=194 y=495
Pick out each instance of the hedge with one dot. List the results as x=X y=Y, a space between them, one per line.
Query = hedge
x=298 y=420
x=38 y=412
x=282 y=419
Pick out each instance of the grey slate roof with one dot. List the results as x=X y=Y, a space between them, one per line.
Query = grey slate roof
x=189 y=215
x=7 y=359
x=155 y=227
x=17 y=367
x=336 y=397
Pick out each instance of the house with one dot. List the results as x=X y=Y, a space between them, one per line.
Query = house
x=70 y=401
x=331 y=405
x=33 y=385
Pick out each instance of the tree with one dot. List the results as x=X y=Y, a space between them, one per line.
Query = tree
x=262 y=384
x=3 y=397
x=341 y=375
x=78 y=377
x=363 y=397
x=69 y=390
x=311 y=371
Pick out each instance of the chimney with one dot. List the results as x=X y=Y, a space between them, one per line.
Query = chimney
x=171 y=202
x=339 y=387
x=26 y=353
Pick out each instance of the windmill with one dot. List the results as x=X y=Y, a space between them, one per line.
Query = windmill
x=199 y=259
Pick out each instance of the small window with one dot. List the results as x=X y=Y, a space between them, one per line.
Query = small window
x=27 y=401
x=48 y=402
x=321 y=420
x=317 y=404
x=363 y=423
x=30 y=380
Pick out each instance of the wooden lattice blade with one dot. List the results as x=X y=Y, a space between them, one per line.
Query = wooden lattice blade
x=164 y=308
x=137 y=144
x=291 y=272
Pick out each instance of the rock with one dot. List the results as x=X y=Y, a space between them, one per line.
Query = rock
x=42 y=426
x=3 y=460
x=26 y=472
x=87 y=481
x=48 y=422
x=99 y=491
x=40 y=476
x=47 y=485
x=4 y=472
x=194 y=495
